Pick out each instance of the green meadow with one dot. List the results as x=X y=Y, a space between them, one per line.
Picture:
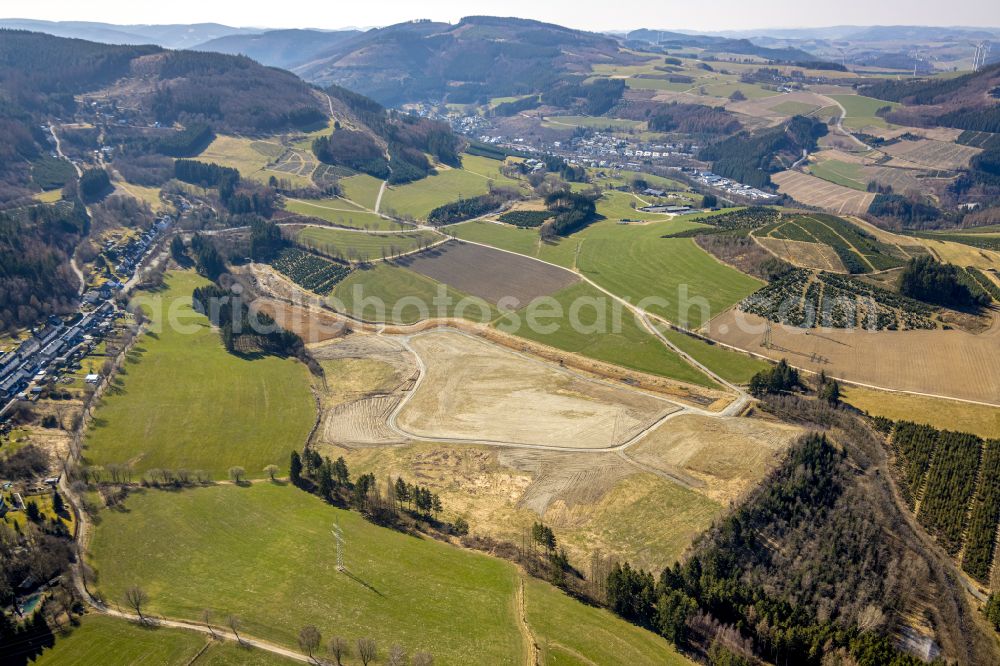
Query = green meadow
x=362 y=189
x=595 y=331
x=342 y=213
x=358 y=246
x=732 y=366
x=861 y=110
x=108 y=641
x=221 y=547
x=419 y=198
x=183 y=401
x=686 y=285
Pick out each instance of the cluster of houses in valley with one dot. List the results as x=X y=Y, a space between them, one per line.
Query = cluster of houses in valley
x=122 y=258
x=595 y=149
x=606 y=150
x=52 y=350
x=58 y=347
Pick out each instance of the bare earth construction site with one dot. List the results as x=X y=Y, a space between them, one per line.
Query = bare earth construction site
x=450 y=386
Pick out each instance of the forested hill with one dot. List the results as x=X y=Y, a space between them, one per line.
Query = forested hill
x=970 y=102
x=383 y=143
x=40 y=74
x=478 y=56
x=42 y=78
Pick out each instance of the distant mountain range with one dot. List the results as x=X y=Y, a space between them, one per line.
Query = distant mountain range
x=179 y=36
x=280 y=48
x=666 y=38
x=482 y=56
x=858 y=33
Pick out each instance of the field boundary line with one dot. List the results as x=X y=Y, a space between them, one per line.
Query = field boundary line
x=532 y=656
x=849 y=243
x=199 y=653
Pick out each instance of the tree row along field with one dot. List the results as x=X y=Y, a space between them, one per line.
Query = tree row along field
x=952 y=481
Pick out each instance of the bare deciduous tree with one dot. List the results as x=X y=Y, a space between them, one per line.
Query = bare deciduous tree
x=309 y=639
x=271 y=471
x=338 y=648
x=206 y=617
x=136 y=598
x=367 y=650
x=234 y=623
x=237 y=474
x=423 y=659
x=397 y=656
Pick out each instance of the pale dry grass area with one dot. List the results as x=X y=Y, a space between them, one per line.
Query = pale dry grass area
x=947 y=251
x=147 y=195
x=946 y=134
x=961 y=254
x=944 y=414
x=842 y=156
x=595 y=502
x=727 y=456
x=802 y=253
x=473 y=390
x=954 y=363
x=311 y=324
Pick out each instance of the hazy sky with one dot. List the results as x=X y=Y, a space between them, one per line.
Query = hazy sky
x=584 y=14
